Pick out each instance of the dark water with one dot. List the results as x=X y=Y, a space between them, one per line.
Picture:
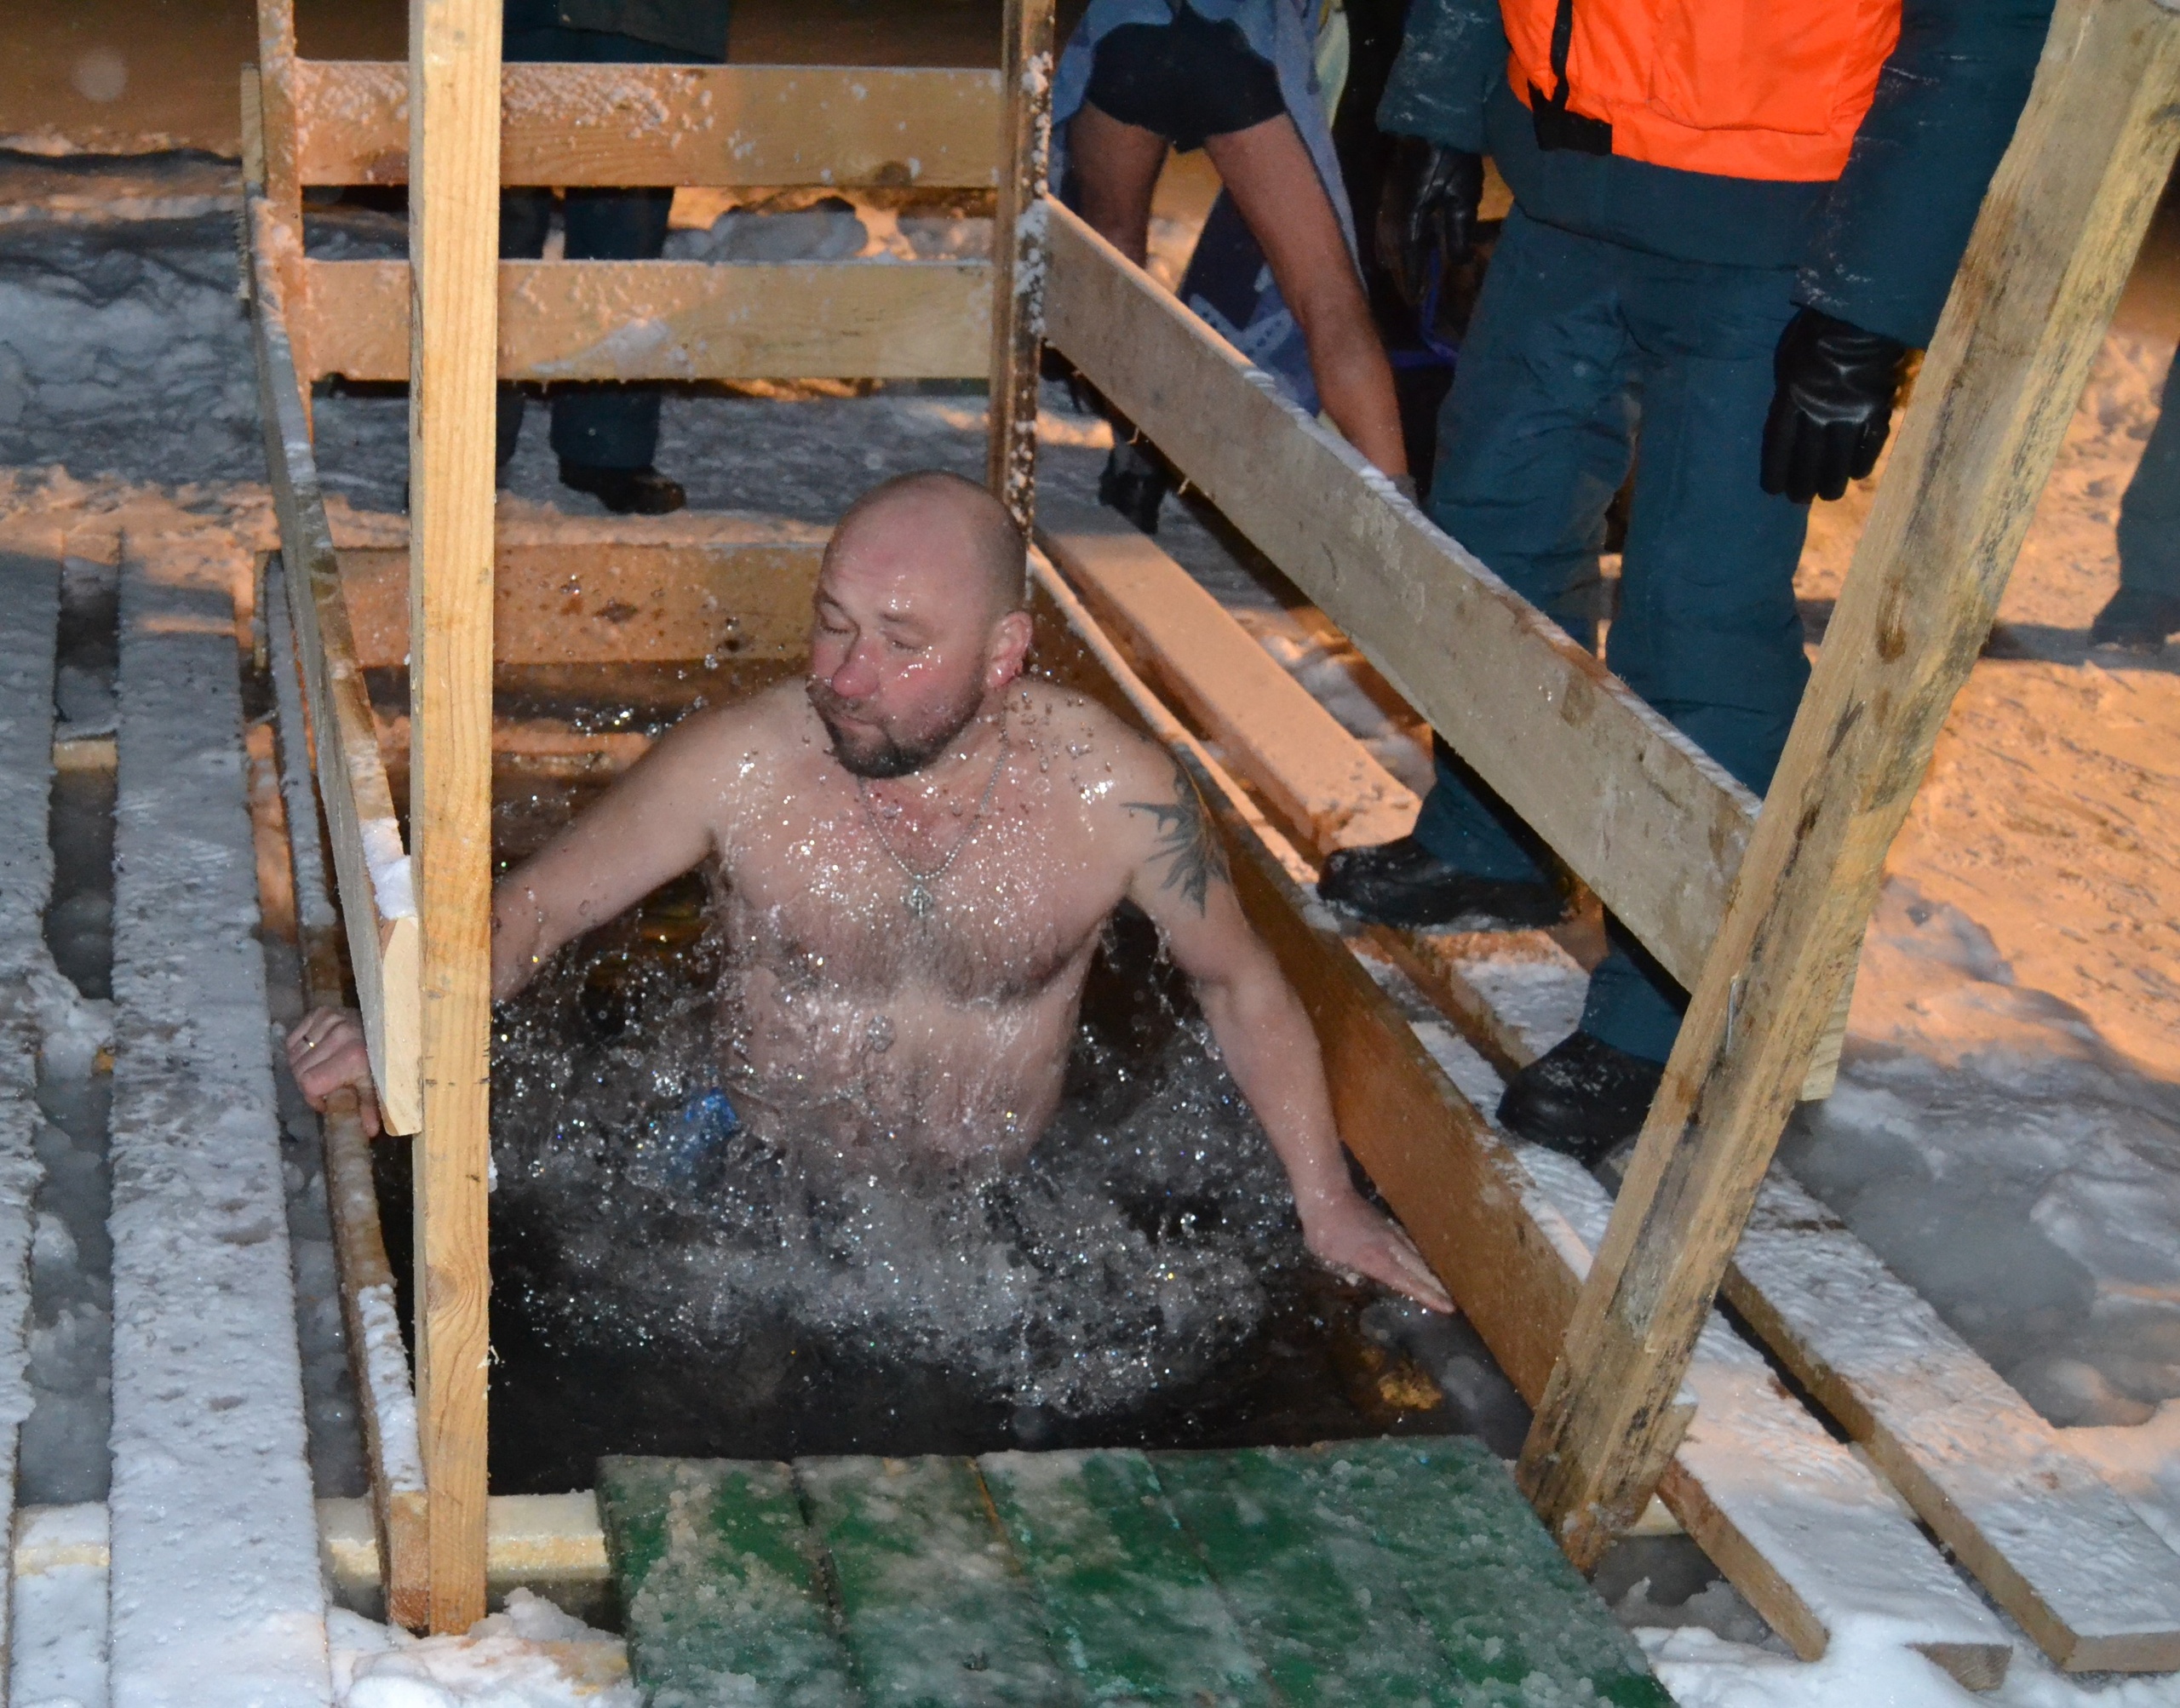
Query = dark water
x=1140 y=1280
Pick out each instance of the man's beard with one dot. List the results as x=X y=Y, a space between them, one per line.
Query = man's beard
x=878 y=755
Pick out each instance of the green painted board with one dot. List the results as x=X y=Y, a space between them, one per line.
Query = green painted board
x=1316 y=1593
x=721 y=1589
x=1514 y=1618
x=1129 y=1604
x=937 y=1614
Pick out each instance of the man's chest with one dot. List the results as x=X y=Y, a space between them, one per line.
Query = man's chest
x=996 y=911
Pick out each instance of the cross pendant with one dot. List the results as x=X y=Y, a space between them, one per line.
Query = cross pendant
x=919 y=903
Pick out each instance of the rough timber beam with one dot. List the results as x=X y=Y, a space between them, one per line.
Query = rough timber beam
x=1017 y=298
x=2059 y=231
x=454 y=151
x=377 y=1360
x=372 y=867
x=675 y=320
x=1654 y=827
x=722 y=126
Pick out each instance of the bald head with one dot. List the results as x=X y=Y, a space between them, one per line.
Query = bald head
x=950 y=520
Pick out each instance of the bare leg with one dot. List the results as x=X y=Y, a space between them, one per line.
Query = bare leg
x=1117 y=166
x=1275 y=185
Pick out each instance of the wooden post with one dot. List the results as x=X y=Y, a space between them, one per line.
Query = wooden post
x=454 y=115
x=2058 y=232
x=1019 y=256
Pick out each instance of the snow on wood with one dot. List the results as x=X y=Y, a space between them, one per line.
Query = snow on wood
x=1798 y=1523
x=2055 y=1544
x=30 y=594
x=215 y=1595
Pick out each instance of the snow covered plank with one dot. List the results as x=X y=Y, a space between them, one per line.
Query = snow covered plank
x=1325 y=784
x=215 y=1593
x=722 y=1583
x=1127 y=1600
x=720 y=126
x=935 y=1609
x=1802 y=1527
x=675 y=319
x=2056 y=1545
x=30 y=597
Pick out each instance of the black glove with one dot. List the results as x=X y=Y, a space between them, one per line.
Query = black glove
x=1832 y=408
x=1426 y=207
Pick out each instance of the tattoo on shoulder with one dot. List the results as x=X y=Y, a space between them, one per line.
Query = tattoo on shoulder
x=1187 y=847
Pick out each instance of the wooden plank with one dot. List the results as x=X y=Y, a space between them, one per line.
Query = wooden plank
x=584 y=603
x=279 y=73
x=1456 y=1185
x=1321 y=780
x=1019 y=256
x=454 y=75
x=1642 y=816
x=378 y=1359
x=1513 y=1618
x=2030 y=1517
x=2058 y=235
x=214 y=1590
x=376 y=898
x=676 y=320
x=1128 y=1602
x=935 y=1610
x=1319 y=1599
x=1503 y=1240
x=719 y=126
x=721 y=1584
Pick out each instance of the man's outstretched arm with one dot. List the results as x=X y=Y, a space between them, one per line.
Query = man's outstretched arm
x=650 y=826
x=1181 y=881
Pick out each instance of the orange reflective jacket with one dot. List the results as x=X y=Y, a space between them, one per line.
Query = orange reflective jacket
x=1746 y=89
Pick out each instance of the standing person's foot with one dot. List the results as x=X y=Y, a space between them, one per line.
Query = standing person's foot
x=625 y=491
x=1581 y=1096
x=2133 y=621
x=1404 y=884
x=1134 y=484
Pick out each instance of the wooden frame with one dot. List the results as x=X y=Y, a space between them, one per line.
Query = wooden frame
x=420 y=960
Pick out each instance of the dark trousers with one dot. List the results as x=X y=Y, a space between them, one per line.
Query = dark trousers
x=2149 y=513
x=1585 y=359
x=607 y=424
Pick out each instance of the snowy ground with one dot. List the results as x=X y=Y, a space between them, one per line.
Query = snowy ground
x=2007 y=1130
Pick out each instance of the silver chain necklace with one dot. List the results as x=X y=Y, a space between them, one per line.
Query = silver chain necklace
x=919 y=901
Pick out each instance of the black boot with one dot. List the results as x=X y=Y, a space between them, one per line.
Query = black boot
x=1134 y=484
x=2133 y=621
x=1404 y=884
x=1581 y=1096
x=625 y=491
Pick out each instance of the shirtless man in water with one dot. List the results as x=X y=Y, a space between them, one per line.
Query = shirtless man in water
x=915 y=851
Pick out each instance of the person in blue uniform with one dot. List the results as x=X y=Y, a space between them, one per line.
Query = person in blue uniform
x=1732 y=219
x=2145 y=612
x=606 y=435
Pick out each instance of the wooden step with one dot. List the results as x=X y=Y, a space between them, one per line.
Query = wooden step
x=1380 y=1571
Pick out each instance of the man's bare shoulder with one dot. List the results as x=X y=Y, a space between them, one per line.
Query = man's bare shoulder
x=1105 y=757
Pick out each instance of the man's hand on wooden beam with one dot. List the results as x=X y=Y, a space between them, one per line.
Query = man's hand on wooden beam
x=328 y=1055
